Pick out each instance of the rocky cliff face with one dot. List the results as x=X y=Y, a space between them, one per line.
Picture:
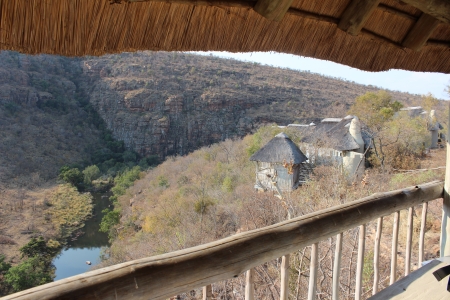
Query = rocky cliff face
x=159 y=121
x=173 y=103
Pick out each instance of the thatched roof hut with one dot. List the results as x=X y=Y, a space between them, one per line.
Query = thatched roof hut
x=279 y=149
x=279 y=165
x=369 y=35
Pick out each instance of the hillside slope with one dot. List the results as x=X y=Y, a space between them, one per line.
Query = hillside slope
x=157 y=103
x=44 y=119
x=172 y=103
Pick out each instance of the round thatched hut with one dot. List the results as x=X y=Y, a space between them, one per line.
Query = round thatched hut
x=278 y=165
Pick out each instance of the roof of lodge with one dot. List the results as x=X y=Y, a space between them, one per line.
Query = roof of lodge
x=332 y=134
x=370 y=35
x=279 y=149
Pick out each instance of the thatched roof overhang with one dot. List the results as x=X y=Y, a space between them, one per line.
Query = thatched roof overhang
x=278 y=150
x=367 y=34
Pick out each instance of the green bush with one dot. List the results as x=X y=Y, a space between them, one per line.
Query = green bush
x=228 y=184
x=91 y=173
x=110 y=218
x=35 y=270
x=163 y=181
x=39 y=248
x=72 y=176
x=29 y=273
x=129 y=156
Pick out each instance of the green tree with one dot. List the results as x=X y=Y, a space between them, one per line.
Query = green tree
x=129 y=156
x=397 y=139
x=124 y=181
x=228 y=184
x=429 y=102
x=109 y=220
x=72 y=176
x=91 y=173
x=35 y=270
x=4 y=267
x=39 y=248
x=375 y=109
x=29 y=273
x=163 y=181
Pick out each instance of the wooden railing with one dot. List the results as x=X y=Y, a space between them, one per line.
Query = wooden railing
x=162 y=276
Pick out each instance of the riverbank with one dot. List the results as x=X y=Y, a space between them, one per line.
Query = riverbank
x=53 y=211
x=86 y=244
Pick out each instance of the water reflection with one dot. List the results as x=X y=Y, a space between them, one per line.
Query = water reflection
x=87 y=247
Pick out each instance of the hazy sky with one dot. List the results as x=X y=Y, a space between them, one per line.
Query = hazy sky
x=405 y=81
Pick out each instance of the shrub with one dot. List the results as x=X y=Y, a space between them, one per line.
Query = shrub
x=72 y=176
x=91 y=173
x=110 y=218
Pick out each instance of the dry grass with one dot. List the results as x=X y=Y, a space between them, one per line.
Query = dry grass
x=68 y=209
x=42 y=211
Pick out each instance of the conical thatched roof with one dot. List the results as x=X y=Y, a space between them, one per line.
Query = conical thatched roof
x=279 y=149
x=369 y=35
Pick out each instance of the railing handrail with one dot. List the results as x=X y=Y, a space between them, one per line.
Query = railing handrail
x=162 y=276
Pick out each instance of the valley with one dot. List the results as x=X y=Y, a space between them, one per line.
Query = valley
x=119 y=111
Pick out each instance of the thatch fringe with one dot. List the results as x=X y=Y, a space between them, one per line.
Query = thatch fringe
x=86 y=27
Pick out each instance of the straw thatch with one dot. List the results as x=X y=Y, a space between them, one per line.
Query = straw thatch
x=333 y=135
x=381 y=38
x=278 y=150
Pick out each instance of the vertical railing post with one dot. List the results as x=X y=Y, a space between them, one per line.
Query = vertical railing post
x=313 y=271
x=445 y=225
x=394 y=248
x=284 y=294
x=249 y=285
x=409 y=232
x=376 y=256
x=207 y=292
x=423 y=226
x=337 y=266
x=360 y=263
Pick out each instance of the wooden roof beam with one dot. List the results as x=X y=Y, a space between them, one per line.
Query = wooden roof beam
x=273 y=10
x=440 y=9
x=420 y=32
x=356 y=15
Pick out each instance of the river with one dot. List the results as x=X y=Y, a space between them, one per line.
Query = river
x=87 y=247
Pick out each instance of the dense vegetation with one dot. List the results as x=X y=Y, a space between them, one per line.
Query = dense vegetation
x=36 y=268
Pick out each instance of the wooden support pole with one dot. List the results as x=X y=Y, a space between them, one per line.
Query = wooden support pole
x=284 y=294
x=422 y=232
x=376 y=256
x=273 y=10
x=356 y=15
x=313 y=271
x=337 y=266
x=250 y=285
x=421 y=31
x=440 y=9
x=207 y=292
x=445 y=225
x=393 y=277
x=409 y=232
x=360 y=261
